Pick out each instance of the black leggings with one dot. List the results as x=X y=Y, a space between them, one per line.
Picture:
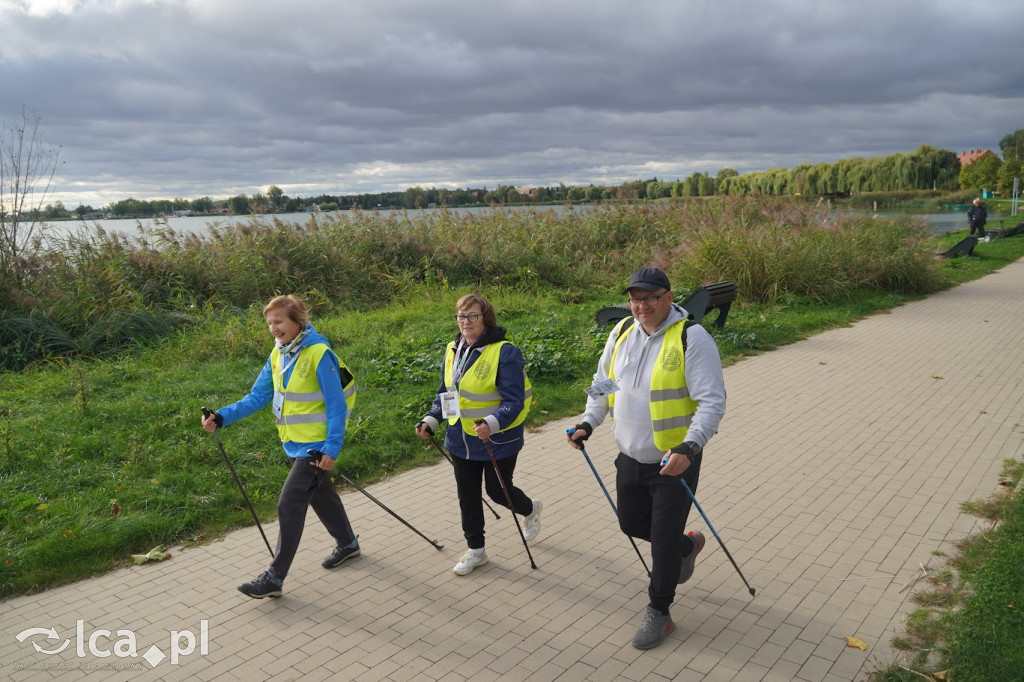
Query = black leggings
x=468 y=473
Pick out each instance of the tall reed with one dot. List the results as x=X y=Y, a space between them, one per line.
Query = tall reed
x=95 y=291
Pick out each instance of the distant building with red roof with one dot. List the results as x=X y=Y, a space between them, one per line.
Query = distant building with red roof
x=969 y=157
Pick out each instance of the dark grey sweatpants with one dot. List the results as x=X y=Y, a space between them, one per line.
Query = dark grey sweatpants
x=307 y=485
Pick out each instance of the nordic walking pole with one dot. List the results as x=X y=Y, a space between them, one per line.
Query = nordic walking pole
x=316 y=455
x=713 y=531
x=206 y=415
x=449 y=458
x=614 y=508
x=508 y=496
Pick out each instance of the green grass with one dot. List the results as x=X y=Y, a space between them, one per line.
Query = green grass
x=970 y=626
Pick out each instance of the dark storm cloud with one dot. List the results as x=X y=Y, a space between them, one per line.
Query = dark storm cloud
x=165 y=98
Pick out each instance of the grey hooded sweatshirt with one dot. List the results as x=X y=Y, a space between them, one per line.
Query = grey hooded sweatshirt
x=634 y=362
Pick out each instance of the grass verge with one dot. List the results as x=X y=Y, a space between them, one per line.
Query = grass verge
x=968 y=625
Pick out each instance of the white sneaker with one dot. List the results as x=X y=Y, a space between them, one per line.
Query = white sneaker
x=531 y=524
x=469 y=561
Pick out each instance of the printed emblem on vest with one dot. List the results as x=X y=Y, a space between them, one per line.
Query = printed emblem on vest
x=671 y=360
x=303 y=367
x=481 y=369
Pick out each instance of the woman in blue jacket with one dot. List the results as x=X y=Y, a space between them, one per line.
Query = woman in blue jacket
x=310 y=391
x=484 y=395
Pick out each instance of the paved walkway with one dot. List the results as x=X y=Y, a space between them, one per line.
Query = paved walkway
x=838 y=471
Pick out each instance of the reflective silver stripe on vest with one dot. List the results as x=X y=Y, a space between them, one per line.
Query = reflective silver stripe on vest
x=296 y=397
x=480 y=397
x=291 y=419
x=479 y=412
x=351 y=390
x=669 y=394
x=673 y=423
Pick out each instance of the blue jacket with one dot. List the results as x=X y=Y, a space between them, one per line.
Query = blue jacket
x=512 y=388
x=328 y=375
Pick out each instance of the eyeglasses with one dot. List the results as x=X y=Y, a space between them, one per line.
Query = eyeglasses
x=468 y=317
x=649 y=300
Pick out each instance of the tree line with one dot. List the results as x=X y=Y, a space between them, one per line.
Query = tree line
x=925 y=168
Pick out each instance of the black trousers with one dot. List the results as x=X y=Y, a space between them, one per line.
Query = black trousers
x=307 y=485
x=653 y=507
x=468 y=474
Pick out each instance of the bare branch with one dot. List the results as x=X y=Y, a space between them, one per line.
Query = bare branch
x=28 y=165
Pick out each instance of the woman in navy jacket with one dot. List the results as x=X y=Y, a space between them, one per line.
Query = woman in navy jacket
x=483 y=374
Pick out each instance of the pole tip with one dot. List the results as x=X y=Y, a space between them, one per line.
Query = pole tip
x=751 y=591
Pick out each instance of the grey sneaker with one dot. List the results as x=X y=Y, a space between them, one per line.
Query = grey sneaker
x=653 y=630
x=340 y=555
x=686 y=569
x=263 y=586
x=531 y=523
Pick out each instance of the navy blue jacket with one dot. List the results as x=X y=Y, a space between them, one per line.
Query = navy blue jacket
x=510 y=385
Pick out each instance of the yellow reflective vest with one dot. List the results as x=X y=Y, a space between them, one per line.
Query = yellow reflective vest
x=303 y=416
x=478 y=387
x=672 y=408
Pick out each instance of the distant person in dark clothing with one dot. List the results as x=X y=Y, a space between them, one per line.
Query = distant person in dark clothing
x=976 y=216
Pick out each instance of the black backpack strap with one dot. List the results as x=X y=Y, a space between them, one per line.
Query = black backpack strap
x=626 y=326
x=686 y=328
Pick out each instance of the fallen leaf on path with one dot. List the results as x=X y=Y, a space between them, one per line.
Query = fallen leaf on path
x=856 y=643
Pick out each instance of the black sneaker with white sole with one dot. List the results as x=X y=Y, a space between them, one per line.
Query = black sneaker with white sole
x=340 y=555
x=263 y=586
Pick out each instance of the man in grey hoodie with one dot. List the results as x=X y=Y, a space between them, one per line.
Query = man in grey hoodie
x=663 y=387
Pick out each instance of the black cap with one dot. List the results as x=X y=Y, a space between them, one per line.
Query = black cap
x=648 y=279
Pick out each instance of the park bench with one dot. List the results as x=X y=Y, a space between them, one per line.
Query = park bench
x=1008 y=232
x=718 y=297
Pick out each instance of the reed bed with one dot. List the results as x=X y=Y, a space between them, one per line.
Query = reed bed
x=97 y=292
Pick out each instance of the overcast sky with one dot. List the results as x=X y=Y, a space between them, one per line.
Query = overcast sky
x=189 y=98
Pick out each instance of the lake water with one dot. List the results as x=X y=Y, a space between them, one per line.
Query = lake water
x=202 y=224
x=940 y=223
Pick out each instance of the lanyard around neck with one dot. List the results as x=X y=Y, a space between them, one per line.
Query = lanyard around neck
x=460 y=362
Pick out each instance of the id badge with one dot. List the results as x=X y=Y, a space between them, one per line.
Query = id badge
x=602 y=388
x=278 y=405
x=450 y=404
